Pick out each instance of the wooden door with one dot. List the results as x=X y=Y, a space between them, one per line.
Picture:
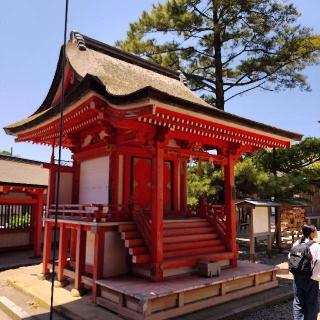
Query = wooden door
x=141 y=182
x=140 y=188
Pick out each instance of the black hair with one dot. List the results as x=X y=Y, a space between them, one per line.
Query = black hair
x=307 y=229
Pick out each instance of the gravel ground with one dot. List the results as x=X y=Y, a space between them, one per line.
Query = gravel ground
x=281 y=311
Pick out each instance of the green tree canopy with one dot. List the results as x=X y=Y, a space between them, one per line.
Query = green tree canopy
x=227 y=47
x=300 y=155
x=5 y=153
x=204 y=180
x=298 y=172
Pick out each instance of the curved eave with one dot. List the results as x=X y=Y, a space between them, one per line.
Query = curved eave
x=53 y=88
x=90 y=83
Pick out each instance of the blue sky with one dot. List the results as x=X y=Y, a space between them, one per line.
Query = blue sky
x=31 y=33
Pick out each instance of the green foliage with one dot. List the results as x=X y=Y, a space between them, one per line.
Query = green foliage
x=250 y=181
x=19 y=221
x=5 y=153
x=227 y=47
x=300 y=155
x=298 y=171
x=204 y=179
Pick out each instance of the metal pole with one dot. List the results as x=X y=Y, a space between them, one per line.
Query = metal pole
x=59 y=157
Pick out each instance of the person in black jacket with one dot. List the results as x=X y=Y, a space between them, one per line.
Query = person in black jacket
x=306 y=288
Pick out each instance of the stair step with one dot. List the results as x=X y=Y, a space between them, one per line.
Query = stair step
x=141 y=258
x=191 y=230
x=190 y=245
x=127 y=227
x=138 y=250
x=130 y=235
x=193 y=251
x=176 y=225
x=193 y=260
x=195 y=237
x=130 y=243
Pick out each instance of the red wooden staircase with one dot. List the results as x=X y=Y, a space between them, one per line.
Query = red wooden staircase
x=186 y=242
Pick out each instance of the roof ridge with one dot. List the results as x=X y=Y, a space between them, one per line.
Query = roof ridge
x=128 y=57
x=22 y=160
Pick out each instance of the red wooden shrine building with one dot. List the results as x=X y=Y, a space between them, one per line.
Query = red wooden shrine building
x=132 y=127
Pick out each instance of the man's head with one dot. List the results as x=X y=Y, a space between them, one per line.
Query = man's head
x=309 y=231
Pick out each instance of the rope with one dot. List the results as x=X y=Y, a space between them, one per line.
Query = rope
x=59 y=159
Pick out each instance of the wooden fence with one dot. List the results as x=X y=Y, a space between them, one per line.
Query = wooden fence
x=17 y=222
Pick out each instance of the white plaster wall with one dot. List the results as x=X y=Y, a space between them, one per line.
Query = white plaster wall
x=8 y=240
x=94 y=181
x=260 y=220
x=114 y=254
x=65 y=195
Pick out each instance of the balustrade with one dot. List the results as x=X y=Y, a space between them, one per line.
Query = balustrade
x=90 y=212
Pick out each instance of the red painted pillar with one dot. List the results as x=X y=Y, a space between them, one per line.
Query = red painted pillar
x=80 y=256
x=73 y=244
x=157 y=213
x=52 y=186
x=47 y=247
x=63 y=242
x=230 y=194
x=183 y=186
x=176 y=185
x=37 y=240
x=75 y=181
x=98 y=261
x=126 y=177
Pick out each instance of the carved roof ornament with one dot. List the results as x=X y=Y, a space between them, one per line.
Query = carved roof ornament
x=197 y=147
x=77 y=38
x=183 y=78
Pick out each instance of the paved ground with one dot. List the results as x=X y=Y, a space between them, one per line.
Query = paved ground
x=84 y=309
x=25 y=279
x=26 y=302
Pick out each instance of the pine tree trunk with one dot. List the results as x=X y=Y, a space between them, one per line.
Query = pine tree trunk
x=217 y=58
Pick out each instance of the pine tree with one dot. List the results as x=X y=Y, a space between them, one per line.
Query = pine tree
x=227 y=47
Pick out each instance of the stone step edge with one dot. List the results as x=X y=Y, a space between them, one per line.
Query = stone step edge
x=12 y=310
x=59 y=309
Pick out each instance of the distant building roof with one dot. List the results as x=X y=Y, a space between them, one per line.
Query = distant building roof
x=259 y=203
x=280 y=202
x=19 y=171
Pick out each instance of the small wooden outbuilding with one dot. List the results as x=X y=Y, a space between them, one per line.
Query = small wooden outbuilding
x=254 y=221
x=23 y=193
x=279 y=220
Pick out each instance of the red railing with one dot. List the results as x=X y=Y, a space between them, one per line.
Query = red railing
x=144 y=226
x=91 y=212
x=217 y=218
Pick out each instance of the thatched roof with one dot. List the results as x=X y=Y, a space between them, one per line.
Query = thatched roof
x=123 y=78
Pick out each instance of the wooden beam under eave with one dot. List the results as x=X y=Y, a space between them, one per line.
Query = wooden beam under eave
x=216 y=159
